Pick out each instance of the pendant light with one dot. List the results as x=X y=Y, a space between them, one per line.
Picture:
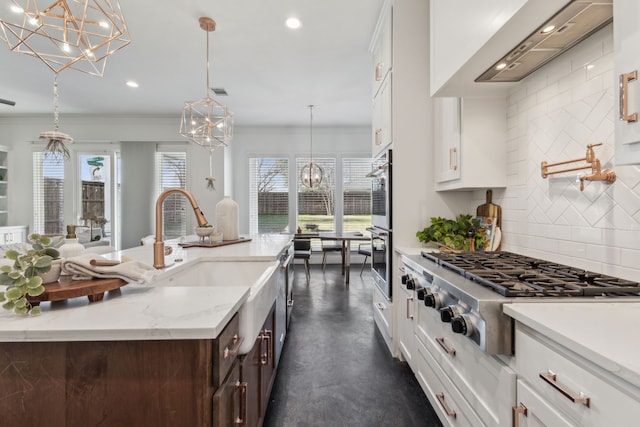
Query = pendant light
x=56 y=141
x=66 y=34
x=311 y=174
x=206 y=122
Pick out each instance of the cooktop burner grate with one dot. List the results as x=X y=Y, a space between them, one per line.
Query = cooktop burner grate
x=514 y=275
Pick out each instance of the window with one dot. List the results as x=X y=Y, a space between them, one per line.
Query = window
x=316 y=206
x=171 y=171
x=356 y=194
x=269 y=195
x=48 y=194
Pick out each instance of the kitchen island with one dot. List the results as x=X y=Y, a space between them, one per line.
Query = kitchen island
x=145 y=355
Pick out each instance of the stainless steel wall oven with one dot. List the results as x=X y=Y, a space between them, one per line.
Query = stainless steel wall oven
x=381 y=219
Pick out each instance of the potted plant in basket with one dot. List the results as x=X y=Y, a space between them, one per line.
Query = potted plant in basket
x=25 y=277
x=464 y=233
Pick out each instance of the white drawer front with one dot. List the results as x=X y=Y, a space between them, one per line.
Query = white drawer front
x=485 y=381
x=449 y=404
x=535 y=411
x=382 y=312
x=585 y=395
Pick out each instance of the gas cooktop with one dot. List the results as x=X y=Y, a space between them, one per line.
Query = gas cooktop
x=513 y=275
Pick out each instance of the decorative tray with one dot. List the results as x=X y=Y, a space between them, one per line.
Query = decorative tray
x=66 y=288
x=205 y=244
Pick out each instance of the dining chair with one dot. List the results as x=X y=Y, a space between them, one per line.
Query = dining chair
x=364 y=249
x=328 y=246
x=302 y=250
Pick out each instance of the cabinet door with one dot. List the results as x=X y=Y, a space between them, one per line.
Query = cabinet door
x=250 y=377
x=533 y=411
x=382 y=120
x=405 y=320
x=447 y=139
x=382 y=49
x=626 y=36
x=230 y=400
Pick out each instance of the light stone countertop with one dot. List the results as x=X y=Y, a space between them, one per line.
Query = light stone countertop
x=139 y=312
x=602 y=332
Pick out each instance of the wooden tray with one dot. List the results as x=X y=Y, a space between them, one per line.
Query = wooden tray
x=66 y=288
x=199 y=244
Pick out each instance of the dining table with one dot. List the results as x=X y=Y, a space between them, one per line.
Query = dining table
x=345 y=238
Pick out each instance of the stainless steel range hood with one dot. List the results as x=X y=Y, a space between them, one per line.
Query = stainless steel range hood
x=576 y=21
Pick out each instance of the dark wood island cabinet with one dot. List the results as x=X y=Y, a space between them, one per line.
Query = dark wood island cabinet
x=121 y=383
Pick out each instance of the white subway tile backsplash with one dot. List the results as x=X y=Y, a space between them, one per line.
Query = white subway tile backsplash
x=552 y=115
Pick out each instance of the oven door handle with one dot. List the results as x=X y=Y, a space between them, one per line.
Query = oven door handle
x=377 y=232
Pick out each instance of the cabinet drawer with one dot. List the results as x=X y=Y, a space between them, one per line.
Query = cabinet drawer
x=586 y=395
x=534 y=411
x=382 y=312
x=230 y=400
x=486 y=382
x=449 y=404
x=225 y=350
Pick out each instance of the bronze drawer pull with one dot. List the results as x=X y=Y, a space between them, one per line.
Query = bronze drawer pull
x=551 y=378
x=516 y=411
x=624 y=97
x=409 y=314
x=445 y=347
x=450 y=412
x=235 y=347
x=453 y=158
x=241 y=387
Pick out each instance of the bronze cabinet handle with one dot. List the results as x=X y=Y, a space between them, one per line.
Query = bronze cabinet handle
x=445 y=347
x=551 y=379
x=450 y=412
x=453 y=158
x=233 y=351
x=624 y=96
x=516 y=411
x=409 y=301
x=241 y=387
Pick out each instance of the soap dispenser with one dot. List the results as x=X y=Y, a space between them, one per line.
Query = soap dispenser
x=71 y=247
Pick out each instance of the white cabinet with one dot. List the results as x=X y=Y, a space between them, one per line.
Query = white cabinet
x=9 y=235
x=405 y=302
x=626 y=38
x=571 y=386
x=533 y=411
x=382 y=77
x=382 y=48
x=381 y=118
x=470 y=143
x=383 y=316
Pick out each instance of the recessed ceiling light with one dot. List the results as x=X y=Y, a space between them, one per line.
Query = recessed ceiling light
x=548 y=29
x=501 y=66
x=293 y=23
x=131 y=83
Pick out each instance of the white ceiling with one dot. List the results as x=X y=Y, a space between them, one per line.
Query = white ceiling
x=270 y=72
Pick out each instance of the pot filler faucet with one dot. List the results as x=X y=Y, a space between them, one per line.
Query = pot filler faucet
x=158 y=246
x=592 y=162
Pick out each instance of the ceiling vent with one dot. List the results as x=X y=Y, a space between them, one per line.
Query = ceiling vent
x=220 y=91
x=572 y=24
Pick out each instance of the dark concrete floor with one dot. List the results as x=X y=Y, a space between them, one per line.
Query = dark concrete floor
x=335 y=369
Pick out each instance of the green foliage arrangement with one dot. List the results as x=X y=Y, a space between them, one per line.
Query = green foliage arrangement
x=22 y=279
x=462 y=233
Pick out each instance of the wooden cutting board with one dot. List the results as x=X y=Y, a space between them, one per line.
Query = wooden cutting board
x=490 y=209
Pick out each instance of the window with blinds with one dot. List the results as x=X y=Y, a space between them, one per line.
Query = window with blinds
x=171 y=171
x=48 y=194
x=356 y=195
x=269 y=195
x=316 y=206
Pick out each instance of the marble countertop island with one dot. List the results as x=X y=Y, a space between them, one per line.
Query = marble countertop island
x=142 y=312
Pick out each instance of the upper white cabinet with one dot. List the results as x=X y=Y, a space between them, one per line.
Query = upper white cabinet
x=381 y=119
x=626 y=39
x=382 y=48
x=467 y=37
x=470 y=143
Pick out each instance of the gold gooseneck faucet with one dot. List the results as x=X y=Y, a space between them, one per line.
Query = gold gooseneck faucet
x=592 y=162
x=158 y=246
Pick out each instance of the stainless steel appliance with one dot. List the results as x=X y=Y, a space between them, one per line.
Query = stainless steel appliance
x=381 y=255
x=381 y=220
x=284 y=298
x=468 y=290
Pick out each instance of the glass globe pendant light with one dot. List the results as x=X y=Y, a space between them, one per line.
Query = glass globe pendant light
x=311 y=174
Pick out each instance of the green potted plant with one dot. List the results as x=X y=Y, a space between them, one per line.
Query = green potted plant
x=25 y=277
x=463 y=233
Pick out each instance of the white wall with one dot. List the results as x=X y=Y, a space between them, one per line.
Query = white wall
x=552 y=115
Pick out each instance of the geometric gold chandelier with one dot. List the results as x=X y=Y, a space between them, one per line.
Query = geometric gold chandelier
x=206 y=122
x=66 y=34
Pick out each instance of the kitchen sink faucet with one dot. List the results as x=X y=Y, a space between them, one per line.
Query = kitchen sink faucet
x=158 y=246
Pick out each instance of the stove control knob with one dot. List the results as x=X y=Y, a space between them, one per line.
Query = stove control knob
x=404 y=278
x=448 y=313
x=433 y=300
x=462 y=324
x=411 y=283
x=422 y=292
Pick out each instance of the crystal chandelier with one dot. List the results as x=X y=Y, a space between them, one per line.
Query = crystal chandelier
x=206 y=122
x=311 y=174
x=67 y=34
